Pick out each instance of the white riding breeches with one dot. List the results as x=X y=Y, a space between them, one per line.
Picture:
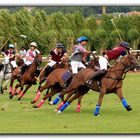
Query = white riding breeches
x=75 y=65
x=51 y=63
x=14 y=64
x=103 y=62
x=28 y=62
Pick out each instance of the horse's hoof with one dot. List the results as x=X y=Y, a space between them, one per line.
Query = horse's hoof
x=50 y=102
x=15 y=93
x=58 y=112
x=32 y=102
x=10 y=96
x=96 y=114
x=35 y=106
x=1 y=91
x=77 y=111
x=128 y=108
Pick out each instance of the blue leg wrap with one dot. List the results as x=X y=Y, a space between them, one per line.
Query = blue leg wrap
x=64 y=106
x=124 y=102
x=57 y=99
x=96 y=113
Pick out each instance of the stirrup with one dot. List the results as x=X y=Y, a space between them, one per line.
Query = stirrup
x=18 y=76
x=89 y=82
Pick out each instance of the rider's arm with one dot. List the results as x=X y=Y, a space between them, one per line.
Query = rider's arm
x=65 y=56
x=49 y=57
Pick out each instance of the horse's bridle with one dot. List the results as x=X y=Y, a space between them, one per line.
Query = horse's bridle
x=38 y=62
x=125 y=69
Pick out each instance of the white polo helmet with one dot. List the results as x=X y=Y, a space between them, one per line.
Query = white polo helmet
x=33 y=44
x=11 y=46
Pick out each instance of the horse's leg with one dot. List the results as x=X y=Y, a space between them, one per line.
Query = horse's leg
x=5 y=84
x=71 y=87
x=46 y=96
x=78 y=109
x=65 y=100
x=14 y=92
x=100 y=99
x=23 y=93
x=39 y=93
x=69 y=101
x=7 y=78
x=50 y=99
x=1 y=90
x=123 y=100
x=11 y=84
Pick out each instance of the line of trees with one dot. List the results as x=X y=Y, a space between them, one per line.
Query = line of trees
x=47 y=30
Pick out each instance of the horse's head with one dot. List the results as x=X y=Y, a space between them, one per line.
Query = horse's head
x=38 y=59
x=94 y=62
x=130 y=61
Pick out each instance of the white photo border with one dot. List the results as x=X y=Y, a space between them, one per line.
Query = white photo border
x=69 y=2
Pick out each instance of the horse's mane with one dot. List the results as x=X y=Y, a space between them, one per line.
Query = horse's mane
x=122 y=61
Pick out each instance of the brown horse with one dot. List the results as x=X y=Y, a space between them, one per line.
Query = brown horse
x=47 y=70
x=110 y=83
x=28 y=78
x=57 y=85
x=15 y=72
x=43 y=75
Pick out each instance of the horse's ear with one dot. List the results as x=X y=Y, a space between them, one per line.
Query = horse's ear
x=37 y=52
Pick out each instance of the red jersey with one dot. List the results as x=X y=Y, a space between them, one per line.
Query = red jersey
x=116 y=52
x=57 y=56
x=10 y=53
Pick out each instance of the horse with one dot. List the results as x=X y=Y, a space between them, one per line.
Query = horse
x=45 y=72
x=28 y=78
x=56 y=88
x=5 y=73
x=15 y=73
x=111 y=82
x=57 y=85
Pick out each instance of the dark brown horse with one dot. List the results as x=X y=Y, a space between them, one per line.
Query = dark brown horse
x=28 y=78
x=56 y=83
x=110 y=83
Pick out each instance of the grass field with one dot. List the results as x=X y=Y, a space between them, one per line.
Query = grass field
x=18 y=117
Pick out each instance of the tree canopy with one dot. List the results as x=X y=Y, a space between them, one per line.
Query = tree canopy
x=47 y=28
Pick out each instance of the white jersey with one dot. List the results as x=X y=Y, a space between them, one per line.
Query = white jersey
x=29 y=58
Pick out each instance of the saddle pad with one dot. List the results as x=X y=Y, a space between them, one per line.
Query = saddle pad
x=66 y=76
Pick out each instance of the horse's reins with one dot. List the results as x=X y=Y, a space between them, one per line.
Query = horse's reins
x=126 y=69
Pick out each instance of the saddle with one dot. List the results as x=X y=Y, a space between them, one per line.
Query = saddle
x=67 y=77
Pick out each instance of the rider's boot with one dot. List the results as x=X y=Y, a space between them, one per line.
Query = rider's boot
x=22 y=70
x=48 y=70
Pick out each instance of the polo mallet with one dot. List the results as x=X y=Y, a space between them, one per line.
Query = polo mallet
x=112 y=20
x=23 y=36
x=5 y=43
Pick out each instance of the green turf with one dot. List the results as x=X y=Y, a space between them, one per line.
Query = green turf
x=20 y=117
